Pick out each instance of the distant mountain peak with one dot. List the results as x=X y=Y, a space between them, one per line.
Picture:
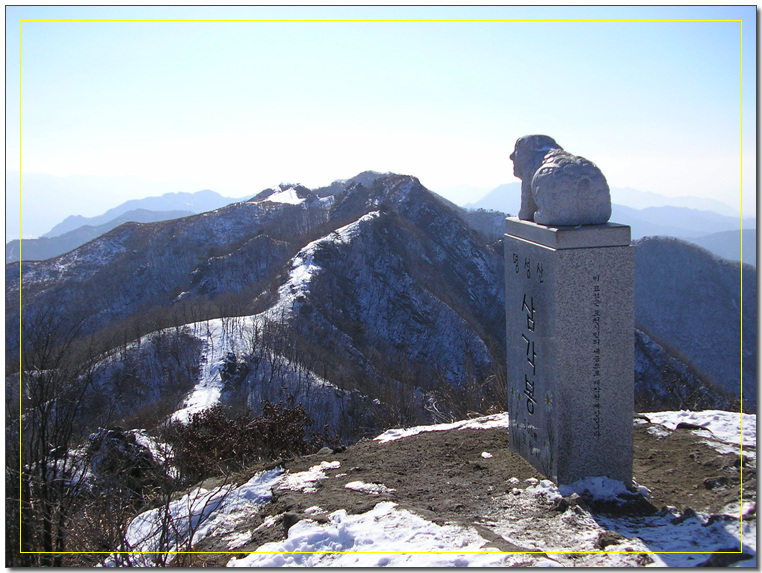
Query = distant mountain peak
x=198 y=202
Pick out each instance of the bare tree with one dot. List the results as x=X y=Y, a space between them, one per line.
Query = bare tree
x=55 y=384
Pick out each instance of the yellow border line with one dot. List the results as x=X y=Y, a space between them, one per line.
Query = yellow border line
x=377 y=552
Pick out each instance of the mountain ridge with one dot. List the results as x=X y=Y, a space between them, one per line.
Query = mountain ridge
x=198 y=202
x=49 y=247
x=376 y=291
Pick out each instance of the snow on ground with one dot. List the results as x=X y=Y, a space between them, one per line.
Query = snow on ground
x=385 y=536
x=669 y=539
x=685 y=543
x=198 y=514
x=208 y=390
x=721 y=430
x=598 y=487
x=569 y=538
x=389 y=535
x=483 y=423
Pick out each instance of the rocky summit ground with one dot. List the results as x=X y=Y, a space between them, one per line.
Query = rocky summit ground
x=460 y=496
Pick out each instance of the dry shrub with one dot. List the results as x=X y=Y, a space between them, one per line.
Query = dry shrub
x=214 y=442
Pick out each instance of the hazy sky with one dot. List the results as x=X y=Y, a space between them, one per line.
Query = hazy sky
x=667 y=107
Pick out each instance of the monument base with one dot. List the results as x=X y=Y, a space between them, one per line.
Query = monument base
x=570 y=325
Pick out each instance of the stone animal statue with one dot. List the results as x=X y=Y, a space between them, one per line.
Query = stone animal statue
x=558 y=188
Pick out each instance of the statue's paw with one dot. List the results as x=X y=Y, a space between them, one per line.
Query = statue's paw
x=526 y=215
x=542 y=218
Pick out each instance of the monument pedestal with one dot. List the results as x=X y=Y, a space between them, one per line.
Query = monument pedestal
x=569 y=295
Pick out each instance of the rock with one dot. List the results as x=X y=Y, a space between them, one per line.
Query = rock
x=120 y=465
x=289 y=520
x=607 y=538
x=688 y=426
x=687 y=514
x=574 y=500
x=274 y=464
x=714 y=483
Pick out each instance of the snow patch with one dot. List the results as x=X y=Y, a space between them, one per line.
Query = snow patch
x=384 y=536
x=197 y=515
x=369 y=488
x=286 y=196
x=483 y=423
x=721 y=430
x=687 y=541
x=208 y=389
x=545 y=489
x=602 y=488
x=304 y=481
x=238 y=540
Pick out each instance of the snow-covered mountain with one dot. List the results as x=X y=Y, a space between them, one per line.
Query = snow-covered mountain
x=375 y=292
x=370 y=300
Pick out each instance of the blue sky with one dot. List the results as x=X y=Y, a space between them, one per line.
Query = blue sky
x=239 y=106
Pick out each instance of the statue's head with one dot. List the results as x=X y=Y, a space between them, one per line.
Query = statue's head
x=528 y=153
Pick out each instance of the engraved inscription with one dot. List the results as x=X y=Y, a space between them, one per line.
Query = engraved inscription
x=528 y=338
x=536 y=270
x=596 y=362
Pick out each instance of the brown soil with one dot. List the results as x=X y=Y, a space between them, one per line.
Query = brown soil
x=684 y=473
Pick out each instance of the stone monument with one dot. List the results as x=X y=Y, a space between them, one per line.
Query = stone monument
x=569 y=285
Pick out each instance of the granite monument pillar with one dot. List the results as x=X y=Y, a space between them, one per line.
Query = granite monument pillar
x=570 y=320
